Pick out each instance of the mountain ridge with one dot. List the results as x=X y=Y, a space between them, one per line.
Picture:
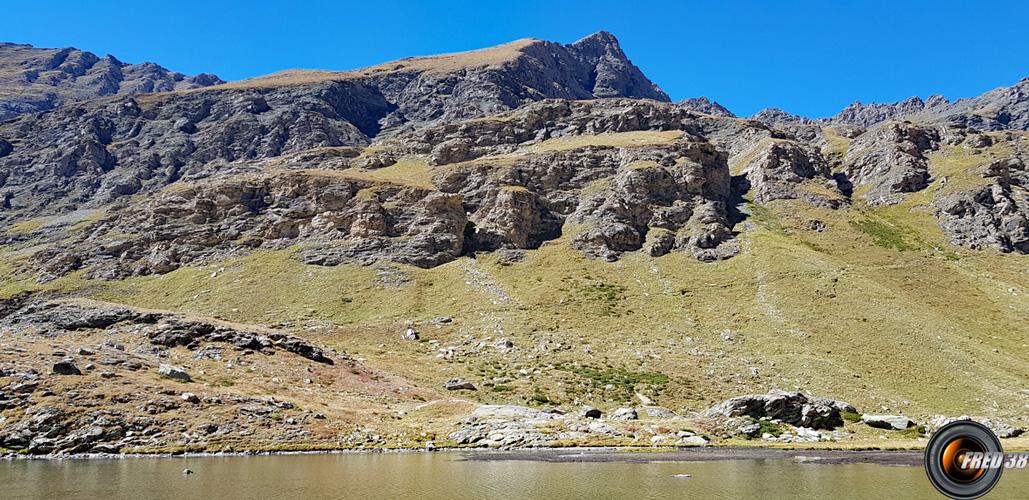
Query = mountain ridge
x=1000 y=108
x=38 y=79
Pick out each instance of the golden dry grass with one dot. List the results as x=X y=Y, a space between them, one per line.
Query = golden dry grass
x=442 y=63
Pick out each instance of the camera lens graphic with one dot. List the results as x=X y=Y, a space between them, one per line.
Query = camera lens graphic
x=955 y=453
x=951 y=448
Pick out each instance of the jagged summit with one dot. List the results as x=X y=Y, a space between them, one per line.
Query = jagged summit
x=869 y=114
x=704 y=105
x=37 y=79
x=776 y=115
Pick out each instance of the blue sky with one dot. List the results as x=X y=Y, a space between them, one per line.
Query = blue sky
x=811 y=58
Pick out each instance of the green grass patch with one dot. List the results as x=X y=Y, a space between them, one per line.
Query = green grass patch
x=618 y=377
x=27 y=226
x=608 y=296
x=764 y=217
x=884 y=235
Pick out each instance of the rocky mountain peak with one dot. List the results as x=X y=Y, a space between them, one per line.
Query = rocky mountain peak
x=614 y=74
x=704 y=105
x=599 y=43
x=778 y=116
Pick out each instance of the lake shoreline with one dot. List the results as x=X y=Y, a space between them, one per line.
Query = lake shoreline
x=564 y=454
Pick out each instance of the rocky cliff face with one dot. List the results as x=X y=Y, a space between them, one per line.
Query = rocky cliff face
x=1006 y=108
x=777 y=116
x=34 y=79
x=994 y=215
x=507 y=182
x=784 y=170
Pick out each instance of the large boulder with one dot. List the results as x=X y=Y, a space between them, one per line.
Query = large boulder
x=66 y=367
x=893 y=422
x=174 y=373
x=623 y=414
x=792 y=408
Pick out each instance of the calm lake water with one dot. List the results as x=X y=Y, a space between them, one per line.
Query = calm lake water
x=449 y=476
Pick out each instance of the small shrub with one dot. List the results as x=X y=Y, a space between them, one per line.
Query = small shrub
x=851 y=416
x=769 y=427
x=913 y=432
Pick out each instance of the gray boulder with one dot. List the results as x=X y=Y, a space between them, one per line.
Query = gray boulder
x=894 y=422
x=623 y=414
x=693 y=441
x=174 y=373
x=457 y=384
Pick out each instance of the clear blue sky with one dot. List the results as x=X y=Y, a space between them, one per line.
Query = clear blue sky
x=811 y=58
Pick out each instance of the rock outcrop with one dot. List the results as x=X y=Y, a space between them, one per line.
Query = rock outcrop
x=792 y=408
x=53 y=318
x=891 y=159
x=1006 y=108
x=995 y=215
x=343 y=218
x=790 y=170
x=623 y=173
